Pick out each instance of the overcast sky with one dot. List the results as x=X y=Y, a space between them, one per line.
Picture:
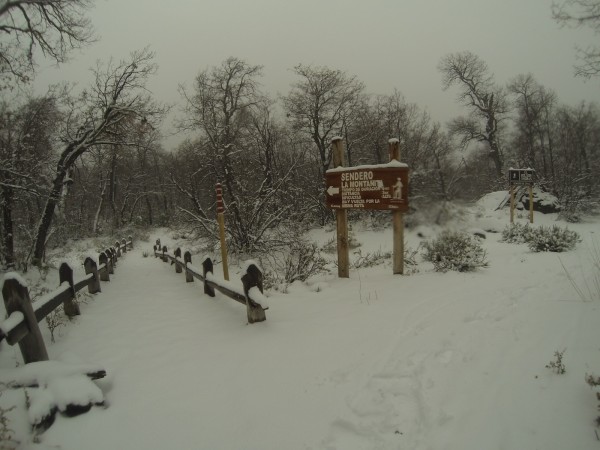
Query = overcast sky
x=386 y=43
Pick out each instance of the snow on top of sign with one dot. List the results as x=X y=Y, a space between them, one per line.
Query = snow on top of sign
x=393 y=141
x=392 y=163
x=336 y=138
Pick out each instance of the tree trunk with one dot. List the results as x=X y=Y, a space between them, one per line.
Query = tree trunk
x=8 y=232
x=46 y=220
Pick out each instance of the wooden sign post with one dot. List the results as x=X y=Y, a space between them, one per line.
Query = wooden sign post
x=341 y=216
x=221 y=221
x=397 y=215
x=520 y=177
x=379 y=187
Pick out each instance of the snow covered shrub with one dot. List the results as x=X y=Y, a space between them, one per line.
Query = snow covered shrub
x=370 y=259
x=303 y=261
x=55 y=320
x=453 y=250
x=557 y=365
x=7 y=435
x=517 y=233
x=297 y=261
x=555 y=239
x=594 y=382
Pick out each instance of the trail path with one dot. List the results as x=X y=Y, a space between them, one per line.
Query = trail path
x=429 y=361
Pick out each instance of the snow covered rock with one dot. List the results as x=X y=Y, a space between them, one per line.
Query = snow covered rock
x=54 y=386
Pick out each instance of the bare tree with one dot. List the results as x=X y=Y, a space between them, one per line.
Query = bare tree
x=534 y=104
x=118 y=95
x=582 y=13
x=320 y=104
x=26 y=135
x=54 y=27
x=486 y=102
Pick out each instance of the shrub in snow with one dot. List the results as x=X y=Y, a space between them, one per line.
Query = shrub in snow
x=594 y=382
x=7 y=435
x=557 y=364
x=370 y=259
x=453 y=250
x=297 y=261
x=517 y=233
x=552 y=239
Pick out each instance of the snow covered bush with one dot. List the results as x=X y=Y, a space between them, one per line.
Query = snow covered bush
x=517 y=233
x=594 y=382
x=370 y=259
x=552 y=239
x=297 y=261
x=7 y=435
x=557 y=364
x=455 y=250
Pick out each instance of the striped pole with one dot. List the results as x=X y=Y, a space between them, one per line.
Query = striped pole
x=221 y=221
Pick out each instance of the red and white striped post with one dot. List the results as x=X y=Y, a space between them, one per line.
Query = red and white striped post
x=221 y=221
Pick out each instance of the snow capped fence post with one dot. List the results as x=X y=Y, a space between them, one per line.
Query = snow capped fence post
x=65 y=274
x=113 y=253
x=177 y=264
x=341 y=216
x=117 y=248
x=103 y=260
x=90 y=267
x=187 y=258
x=253 y=278
x=124 y=245
x=397 y=217
x=164 y=254
x=109 y=261
x=16 y=298
x=207 y=267
x=130 y=243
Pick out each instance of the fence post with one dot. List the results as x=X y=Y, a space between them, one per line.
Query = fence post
x=65 y=273
x=187 y=258
x=110 y=261
x=207 y=267
x=90 y=267
x=253 y=278
x=164 y=253
x=102 y=259
x=118 y=248
x=124 y=243
x=16 y=298
x=131 y=242
x=177 y=255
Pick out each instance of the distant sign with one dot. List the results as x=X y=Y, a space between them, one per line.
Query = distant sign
x=520 y=176
x=368 y=188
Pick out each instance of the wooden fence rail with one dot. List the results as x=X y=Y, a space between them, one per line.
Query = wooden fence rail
x=21 y=327
x=250 y=295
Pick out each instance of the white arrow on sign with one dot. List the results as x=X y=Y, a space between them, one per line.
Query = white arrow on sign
x=333 y=190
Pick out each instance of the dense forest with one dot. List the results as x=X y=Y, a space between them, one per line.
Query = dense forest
x=78 y=164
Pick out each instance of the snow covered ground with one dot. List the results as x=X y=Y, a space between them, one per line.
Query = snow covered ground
x=422 y=361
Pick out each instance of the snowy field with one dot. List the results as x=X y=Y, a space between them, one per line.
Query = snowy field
x=424 y=361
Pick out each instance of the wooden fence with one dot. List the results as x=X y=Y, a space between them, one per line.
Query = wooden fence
x=250 y=295
x=22 y=327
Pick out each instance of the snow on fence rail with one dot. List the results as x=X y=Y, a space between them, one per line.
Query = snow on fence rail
x=21 y=326
x=250 y=294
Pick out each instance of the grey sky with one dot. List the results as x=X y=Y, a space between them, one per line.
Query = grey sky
x=386 y=43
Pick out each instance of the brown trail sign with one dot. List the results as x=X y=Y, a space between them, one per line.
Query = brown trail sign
x=382 y=186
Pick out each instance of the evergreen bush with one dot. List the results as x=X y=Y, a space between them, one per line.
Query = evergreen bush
x=552 y=239
x=455 y=251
